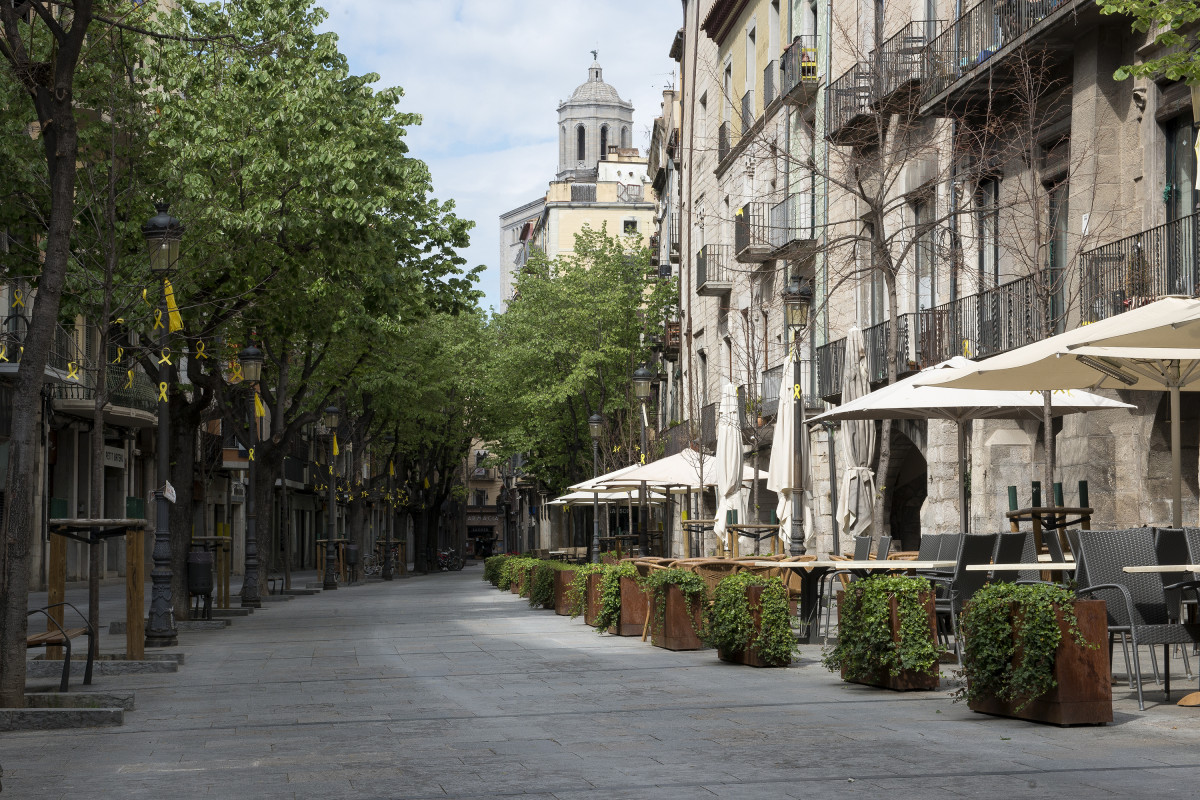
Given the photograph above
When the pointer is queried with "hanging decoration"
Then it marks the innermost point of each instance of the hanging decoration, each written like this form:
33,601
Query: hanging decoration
175,321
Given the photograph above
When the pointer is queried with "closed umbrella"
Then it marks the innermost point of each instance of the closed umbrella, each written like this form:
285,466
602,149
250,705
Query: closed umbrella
910,399
856,499
783,478
728,460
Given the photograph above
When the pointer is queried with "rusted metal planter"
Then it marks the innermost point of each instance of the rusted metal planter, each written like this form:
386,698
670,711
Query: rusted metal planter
562,585
634,603
906,680
1083,695
679,625
750,656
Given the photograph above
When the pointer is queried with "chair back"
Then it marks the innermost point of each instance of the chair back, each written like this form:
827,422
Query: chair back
1010,549
862,548
976,548
928,549
1054,545
1171,547
1081,576
1192,537
1105,554
884,547
948,547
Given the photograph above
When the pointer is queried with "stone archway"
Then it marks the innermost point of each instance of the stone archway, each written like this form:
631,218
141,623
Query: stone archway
905,486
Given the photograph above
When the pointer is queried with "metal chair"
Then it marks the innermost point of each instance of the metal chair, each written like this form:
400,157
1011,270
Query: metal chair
884,547
1137,603
862,551
961,585
1011,548
928,548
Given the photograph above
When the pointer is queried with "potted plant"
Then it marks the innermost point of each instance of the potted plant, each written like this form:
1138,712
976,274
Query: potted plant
622,601
677,600
562,587
541,583
578,594
1034,652
887,634
492,567
749,621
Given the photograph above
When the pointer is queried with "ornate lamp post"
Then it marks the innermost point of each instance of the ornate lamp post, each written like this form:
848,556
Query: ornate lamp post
797,302
330,581
642,378
252,363
388,564
162,234
595,428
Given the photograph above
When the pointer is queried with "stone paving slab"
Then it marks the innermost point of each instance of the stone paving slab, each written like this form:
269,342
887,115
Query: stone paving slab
441,687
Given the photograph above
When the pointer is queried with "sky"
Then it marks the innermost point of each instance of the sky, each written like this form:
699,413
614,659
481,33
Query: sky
487,77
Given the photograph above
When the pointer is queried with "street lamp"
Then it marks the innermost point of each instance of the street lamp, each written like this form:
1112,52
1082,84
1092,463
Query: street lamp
388,564
641,388
252,362
330,581
595,427
162,234
797,302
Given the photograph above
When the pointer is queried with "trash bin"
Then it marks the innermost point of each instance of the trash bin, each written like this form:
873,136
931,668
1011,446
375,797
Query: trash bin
200,581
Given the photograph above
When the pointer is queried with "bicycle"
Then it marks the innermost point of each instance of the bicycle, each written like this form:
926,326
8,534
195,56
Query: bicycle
372,565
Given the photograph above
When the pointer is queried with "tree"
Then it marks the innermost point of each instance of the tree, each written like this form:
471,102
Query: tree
1173,22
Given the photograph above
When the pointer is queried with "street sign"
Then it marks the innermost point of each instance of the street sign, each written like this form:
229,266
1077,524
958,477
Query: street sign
114,457
169,491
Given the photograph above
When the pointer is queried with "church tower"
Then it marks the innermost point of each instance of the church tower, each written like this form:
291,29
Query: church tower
594,119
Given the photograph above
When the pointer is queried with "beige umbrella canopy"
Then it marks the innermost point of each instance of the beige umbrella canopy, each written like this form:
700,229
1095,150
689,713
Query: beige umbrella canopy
909,399
686,471
856,500
782,474
729,461
1151,348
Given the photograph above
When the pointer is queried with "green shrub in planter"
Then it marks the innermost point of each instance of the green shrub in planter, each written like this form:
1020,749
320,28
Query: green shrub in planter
541,585
695,596
577,594
513,569
1012,634
886,635
739,626
610,593
492,567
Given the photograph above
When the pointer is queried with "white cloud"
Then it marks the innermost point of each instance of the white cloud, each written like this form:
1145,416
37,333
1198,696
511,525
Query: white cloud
487,76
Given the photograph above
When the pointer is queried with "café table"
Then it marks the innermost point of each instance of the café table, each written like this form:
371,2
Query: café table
1162,568
755,531
1040,566
816,570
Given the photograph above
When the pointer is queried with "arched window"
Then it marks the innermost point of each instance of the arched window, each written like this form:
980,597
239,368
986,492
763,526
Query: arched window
603,142
580,144
625,137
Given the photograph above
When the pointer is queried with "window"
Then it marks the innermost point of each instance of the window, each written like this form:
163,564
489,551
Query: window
751,55
874,290
1057,254
630,226
480,457
923,260
603,142
580,144
702,116
987,221
480,497
703,364
1180,190
625,137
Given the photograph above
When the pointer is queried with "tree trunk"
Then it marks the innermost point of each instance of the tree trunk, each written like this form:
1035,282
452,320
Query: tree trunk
879,523
182,458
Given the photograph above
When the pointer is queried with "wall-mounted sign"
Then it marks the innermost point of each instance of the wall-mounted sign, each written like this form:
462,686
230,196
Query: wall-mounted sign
114,457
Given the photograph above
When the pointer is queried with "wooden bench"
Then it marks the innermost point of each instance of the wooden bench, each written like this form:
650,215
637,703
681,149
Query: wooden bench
61,637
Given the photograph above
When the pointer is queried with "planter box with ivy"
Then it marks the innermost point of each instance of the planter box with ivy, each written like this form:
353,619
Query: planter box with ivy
562,587
493,567
749,622
1035,652
677,601
887,634
577,591
542,581
622,601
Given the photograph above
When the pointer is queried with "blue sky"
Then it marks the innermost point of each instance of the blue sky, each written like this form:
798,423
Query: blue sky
487,76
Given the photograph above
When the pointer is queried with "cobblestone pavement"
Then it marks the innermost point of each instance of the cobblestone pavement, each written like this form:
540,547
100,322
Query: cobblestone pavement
440,686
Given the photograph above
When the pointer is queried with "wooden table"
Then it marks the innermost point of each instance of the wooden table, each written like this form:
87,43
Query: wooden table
809,599
739,527
1163,568
695,526
1040,566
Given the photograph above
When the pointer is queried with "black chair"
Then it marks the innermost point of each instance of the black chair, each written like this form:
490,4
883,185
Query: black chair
862,551
928,549
1137,603
883,548
961,585
1011,548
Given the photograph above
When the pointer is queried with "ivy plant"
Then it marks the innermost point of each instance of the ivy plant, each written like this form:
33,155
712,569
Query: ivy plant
866,647
690,585
1011,635
730,621
577,591
541,589
492,567
610,593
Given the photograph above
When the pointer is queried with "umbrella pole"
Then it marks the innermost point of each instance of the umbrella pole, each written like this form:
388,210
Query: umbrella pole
1176,470
963,515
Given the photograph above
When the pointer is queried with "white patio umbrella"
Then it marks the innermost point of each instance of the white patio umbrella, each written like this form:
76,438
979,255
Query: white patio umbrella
782,476
909,399
683,472
1151,348
856,500
729,460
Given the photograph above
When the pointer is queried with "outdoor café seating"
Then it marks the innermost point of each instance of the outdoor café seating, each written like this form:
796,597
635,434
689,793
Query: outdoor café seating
961,584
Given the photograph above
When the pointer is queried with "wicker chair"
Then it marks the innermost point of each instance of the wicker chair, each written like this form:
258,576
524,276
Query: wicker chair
1137,604
961,585
1012,548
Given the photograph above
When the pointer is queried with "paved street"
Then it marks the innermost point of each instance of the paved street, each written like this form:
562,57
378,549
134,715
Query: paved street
441,686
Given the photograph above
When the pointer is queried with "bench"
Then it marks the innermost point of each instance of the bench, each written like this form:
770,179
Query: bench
61,637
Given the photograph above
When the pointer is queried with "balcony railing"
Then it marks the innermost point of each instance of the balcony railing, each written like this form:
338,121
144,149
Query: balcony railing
985,324
751,236
712,270
138,394
723,142
799,68
675,439
830,357
676,237
747,111
1139,269
769,83
673,339
975,37
791,226
773,379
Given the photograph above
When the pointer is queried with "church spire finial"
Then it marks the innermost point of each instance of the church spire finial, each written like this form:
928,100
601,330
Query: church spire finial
595,55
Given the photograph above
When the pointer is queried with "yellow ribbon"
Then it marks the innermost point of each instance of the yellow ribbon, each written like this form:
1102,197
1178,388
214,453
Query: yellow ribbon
162,392
158,323
392,468
235,371
331,469
120,355
72,371
643,458
17,299
200,354
251,452
336,451
427,483
3,352
166,357
796,392
259,411
966,348
129,383
175,321
146,300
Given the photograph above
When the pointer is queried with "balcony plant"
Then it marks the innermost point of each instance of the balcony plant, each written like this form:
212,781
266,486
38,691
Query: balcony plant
887,634
1033,652
677,600
749,621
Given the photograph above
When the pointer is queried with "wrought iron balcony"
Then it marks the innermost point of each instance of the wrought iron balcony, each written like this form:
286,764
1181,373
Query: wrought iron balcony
982,38
800,72
676,438
673,339
676,237
985,324
713,275
831,356
1139,269
791,233
748,115
773,380
723,142
751,235
138,394
769,83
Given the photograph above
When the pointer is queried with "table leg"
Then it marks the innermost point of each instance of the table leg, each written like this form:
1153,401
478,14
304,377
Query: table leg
809,604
